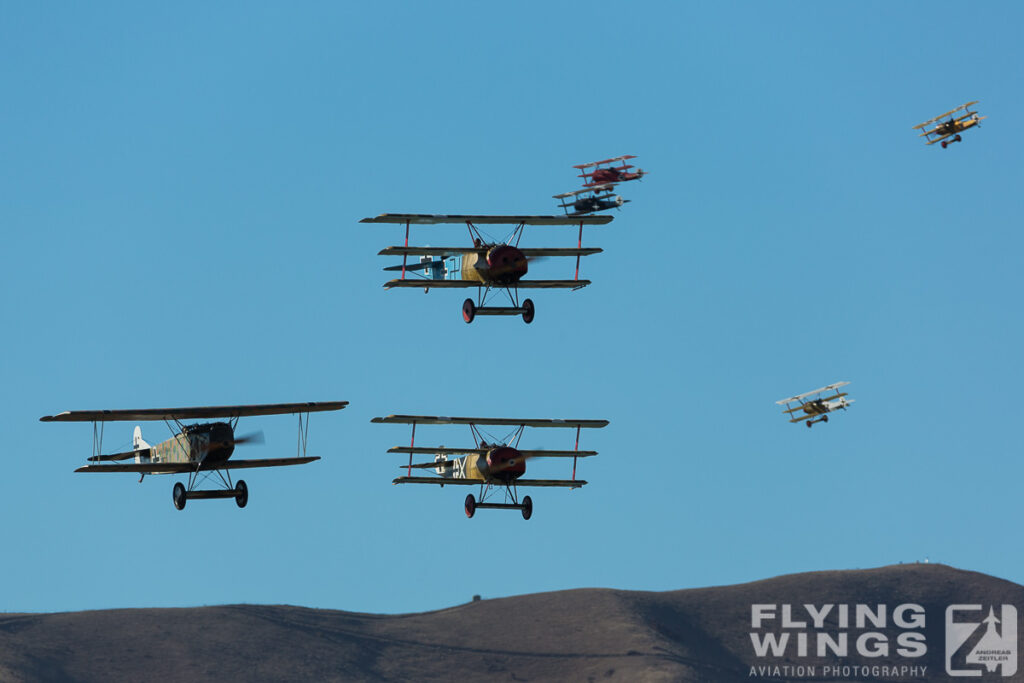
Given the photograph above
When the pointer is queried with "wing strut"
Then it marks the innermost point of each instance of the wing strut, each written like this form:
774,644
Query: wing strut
406,255
412,444
577,447
579,243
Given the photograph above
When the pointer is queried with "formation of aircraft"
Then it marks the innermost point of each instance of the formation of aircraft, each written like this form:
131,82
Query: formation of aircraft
196,450
493,464
947,132
487,264
598,193
814,406
496,465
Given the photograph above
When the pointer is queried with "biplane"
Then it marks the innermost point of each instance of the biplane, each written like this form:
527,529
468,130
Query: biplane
814,406
590,200
493,464
489,265
196,450
603,174
947,132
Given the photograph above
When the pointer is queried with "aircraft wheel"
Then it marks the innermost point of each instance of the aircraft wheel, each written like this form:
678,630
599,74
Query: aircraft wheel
470,506
528,310
824,418
527,507
809,424
241,493
958,138
944,143
179,495
468,310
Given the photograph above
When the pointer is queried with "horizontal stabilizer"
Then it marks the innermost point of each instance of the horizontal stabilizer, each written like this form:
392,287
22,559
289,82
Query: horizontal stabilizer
144,453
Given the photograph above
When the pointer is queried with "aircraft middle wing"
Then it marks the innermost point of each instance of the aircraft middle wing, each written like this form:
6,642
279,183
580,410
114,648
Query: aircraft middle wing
433,219
185,467
453,251
502,421
429,251
457,284
192,413
425,450
445,481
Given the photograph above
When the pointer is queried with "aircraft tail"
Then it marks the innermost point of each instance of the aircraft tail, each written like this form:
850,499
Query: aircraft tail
138,443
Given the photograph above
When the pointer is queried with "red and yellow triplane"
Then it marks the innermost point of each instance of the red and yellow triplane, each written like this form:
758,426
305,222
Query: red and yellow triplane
493,464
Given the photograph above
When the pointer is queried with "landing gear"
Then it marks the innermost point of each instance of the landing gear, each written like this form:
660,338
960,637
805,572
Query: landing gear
528,310
468,312
241,493
527,503
944,143
824,418
958,138
470,506
809,424
179,495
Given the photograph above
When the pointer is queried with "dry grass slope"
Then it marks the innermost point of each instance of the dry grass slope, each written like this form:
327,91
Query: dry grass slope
579,635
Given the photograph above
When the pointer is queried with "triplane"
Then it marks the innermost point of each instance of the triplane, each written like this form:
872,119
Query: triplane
493,464
604,173
952,127
590,200
816,409
487,264
198,450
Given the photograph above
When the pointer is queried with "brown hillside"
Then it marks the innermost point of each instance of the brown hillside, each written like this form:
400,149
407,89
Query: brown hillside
579,635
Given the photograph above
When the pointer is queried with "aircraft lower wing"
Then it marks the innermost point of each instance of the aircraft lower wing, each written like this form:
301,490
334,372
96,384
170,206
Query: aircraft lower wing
563,483
805,417
940,138
463,284
186,467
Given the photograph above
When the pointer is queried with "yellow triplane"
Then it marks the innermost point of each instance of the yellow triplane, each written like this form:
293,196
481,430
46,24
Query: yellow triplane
947,132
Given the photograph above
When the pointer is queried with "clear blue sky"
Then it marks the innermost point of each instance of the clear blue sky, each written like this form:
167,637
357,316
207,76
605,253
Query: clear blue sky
180,190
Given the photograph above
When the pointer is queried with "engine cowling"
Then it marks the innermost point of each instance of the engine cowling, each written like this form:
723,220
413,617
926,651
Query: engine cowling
505,463
506,264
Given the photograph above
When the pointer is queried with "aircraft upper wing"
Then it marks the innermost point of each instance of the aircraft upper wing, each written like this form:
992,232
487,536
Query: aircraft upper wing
456,284
425,450
433,219
452,251
444,481
510,422
185,467
811,393
191,413
606,161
